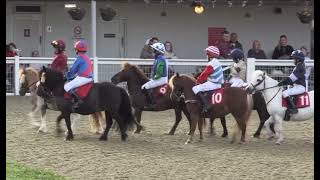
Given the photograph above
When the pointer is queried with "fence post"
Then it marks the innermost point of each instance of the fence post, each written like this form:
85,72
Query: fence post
250,68
16,75
95,69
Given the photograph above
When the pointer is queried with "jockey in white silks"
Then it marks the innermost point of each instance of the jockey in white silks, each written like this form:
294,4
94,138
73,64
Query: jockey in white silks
211,78
159,75
297,80
81,72
237,75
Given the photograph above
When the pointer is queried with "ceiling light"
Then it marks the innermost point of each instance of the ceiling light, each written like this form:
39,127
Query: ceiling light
70,5
198,7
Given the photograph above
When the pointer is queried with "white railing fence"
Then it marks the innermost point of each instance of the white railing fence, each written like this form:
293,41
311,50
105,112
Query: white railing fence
105,68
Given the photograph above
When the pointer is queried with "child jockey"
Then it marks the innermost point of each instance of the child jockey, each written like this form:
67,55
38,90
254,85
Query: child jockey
80,73
59,62
237,76
159,74
297,79
211,78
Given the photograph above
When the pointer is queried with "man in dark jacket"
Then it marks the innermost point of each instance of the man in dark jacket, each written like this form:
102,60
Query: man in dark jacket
234,43
283,50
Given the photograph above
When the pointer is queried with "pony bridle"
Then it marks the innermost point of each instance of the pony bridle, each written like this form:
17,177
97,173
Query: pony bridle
264,86
28,86
260,81
178,96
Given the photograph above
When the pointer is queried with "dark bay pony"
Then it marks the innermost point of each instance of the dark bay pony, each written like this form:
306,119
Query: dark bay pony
259,104
234,100
135,78
28,79
103,96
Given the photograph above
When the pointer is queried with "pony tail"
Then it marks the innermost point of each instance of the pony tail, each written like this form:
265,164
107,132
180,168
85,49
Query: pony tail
126,110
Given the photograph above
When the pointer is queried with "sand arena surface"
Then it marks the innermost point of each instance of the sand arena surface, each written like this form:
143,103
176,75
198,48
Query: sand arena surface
153,155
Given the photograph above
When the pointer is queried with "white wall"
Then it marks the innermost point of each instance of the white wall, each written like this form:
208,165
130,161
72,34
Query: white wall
187,31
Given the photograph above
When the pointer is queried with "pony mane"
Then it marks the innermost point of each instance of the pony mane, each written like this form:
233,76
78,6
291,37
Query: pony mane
136,69
171,81
28,70
183,76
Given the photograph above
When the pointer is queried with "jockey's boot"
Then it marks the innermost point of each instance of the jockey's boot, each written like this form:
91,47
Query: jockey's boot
77,102
291,109
204,101
151,104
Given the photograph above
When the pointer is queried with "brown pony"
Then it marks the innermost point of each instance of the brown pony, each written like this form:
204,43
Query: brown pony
234,100
135,78
28,79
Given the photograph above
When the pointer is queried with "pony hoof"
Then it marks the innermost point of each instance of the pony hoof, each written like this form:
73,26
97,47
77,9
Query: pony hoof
69,138
278,142
103,138
124,137
42,130
256,136
188,142
137,131
242,142
189,133
169,133
224,135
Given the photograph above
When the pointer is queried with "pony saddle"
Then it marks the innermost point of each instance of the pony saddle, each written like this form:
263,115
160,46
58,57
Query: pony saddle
160,90
214,96
300,100
81,91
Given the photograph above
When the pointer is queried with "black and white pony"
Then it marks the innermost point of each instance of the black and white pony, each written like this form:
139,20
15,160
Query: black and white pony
273,96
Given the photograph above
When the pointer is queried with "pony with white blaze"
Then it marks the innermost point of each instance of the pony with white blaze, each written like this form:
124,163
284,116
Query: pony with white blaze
273,96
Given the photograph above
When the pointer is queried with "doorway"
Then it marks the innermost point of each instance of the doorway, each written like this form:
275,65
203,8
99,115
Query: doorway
27,34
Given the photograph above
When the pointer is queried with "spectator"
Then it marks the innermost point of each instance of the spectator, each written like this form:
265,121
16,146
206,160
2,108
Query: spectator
283,50
234,42
305,51
147,52
224,45
169,54
11,50
256,51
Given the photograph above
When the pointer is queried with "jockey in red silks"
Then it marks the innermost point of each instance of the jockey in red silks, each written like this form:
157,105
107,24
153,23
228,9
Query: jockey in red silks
81,72
59,62
211,78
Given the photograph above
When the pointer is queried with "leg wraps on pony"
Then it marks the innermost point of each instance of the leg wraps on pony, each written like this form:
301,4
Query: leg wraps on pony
77,82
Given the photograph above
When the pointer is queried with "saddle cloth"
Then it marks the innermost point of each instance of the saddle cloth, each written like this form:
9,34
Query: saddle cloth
82,91
215,96
300,100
